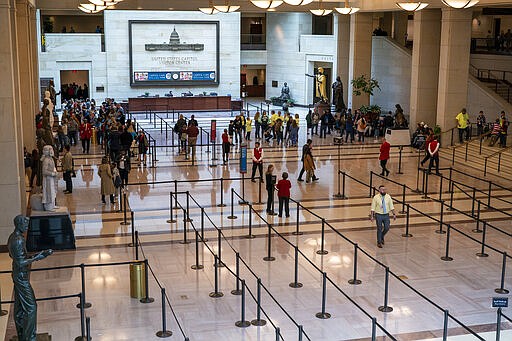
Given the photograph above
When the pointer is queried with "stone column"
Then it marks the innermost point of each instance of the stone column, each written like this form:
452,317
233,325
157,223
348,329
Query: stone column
343,52
400,20
425,67
26,72
453,65
360,60
12,181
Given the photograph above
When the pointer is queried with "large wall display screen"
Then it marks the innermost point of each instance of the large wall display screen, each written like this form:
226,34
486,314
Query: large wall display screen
173,52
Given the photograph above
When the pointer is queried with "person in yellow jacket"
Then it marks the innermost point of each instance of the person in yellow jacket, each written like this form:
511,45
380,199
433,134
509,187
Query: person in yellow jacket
248,128
463,124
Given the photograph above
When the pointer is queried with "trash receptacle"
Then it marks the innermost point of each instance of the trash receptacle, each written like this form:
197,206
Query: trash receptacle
137,280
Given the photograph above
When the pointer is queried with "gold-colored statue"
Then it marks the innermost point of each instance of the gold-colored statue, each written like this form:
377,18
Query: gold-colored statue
321,85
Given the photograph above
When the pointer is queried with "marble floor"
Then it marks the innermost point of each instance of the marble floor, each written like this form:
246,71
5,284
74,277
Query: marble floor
421,286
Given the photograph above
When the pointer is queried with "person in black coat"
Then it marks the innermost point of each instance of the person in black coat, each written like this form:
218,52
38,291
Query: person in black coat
269,185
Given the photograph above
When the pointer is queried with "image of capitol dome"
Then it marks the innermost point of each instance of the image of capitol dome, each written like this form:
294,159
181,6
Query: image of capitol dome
174,44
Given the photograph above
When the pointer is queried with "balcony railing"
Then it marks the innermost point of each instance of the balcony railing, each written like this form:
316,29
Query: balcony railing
66,42
489,46
253,42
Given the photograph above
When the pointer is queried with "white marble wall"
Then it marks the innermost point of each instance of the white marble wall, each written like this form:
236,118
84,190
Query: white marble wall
391,66
118,69
285,62
480,97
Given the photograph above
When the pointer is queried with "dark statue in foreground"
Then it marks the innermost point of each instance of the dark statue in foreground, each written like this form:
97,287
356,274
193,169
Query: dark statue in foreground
25,306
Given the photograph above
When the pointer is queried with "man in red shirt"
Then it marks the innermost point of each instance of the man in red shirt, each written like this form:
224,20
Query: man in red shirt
192,133
433,151
384,156
226,143
283,193
257,161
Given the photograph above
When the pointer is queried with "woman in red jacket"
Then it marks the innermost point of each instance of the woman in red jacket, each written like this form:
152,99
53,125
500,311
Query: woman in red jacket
85,135
283,193
384,156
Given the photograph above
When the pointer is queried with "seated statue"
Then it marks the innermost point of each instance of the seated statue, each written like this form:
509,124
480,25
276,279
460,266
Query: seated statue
285,92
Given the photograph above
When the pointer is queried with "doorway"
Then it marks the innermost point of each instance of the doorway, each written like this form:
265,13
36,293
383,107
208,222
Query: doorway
74,84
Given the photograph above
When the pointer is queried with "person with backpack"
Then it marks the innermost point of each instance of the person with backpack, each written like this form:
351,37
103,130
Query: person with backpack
143,145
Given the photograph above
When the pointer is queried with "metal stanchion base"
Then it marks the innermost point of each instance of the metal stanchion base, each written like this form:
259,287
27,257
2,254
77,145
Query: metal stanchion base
296,285
447,259
188,220
322,252
339,196
242,324
269,259
219,265
501,291
402,212
243,202
216,294
354,281
147,300
258,323
197,267
476,231
295,233
213,165
164,333
399,172
440,231
232,217
250,236
3,312
406,235
80,338
323,316
387,309
125,223
221,205
185,242
236,292
87,305
170,221
482,254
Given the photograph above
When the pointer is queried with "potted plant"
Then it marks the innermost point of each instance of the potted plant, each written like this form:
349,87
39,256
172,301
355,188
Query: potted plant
363,84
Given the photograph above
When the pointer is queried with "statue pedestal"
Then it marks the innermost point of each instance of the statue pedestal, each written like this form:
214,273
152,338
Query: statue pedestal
50,230
320,107
39,337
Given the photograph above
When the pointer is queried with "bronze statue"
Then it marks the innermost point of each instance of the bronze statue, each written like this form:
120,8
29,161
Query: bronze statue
285,93
25,306
320,85
337,95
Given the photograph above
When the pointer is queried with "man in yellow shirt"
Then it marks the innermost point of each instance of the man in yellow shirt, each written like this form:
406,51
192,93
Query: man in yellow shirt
382,204
463,124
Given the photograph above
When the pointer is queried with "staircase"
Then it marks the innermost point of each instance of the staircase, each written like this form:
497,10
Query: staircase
498,81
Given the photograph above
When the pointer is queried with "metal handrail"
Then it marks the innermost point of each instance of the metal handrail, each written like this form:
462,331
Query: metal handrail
467,143
499,153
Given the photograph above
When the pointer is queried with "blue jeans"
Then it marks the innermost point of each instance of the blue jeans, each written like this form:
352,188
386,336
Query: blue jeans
382,226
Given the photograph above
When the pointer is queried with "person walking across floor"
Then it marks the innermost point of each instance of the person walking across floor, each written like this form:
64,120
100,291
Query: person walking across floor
463,124
67,169
226,145
306,150
384,156
257,161
382,205
433,151
283,193
269,181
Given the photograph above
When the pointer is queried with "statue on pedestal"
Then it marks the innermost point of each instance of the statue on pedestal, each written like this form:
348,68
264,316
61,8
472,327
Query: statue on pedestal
25,306
285,93
320,85
49,177
337,95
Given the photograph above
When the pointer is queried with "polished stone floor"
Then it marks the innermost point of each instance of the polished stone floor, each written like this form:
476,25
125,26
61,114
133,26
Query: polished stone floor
421,285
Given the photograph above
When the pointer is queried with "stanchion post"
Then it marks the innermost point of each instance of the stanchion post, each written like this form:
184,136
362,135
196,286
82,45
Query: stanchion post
220,264
355,281
278,334
124,222
386,308
482,251
301,332
269,257
176,206
171,218
82,318
297,222
237,291
185,226
371,184
441,188
374,328
146,298
197,266
136,245
216,293
425,191
343,196
498,324
400,160
188,207
489,195
132,220
441,218
243,201
88,336
164,332
296,283
86,305
232,216
407,234
473,202
403,199
477,230
501,289
243,323
221,193
446,257
260,184
445,323
323,315
451,187
202,226
322,250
